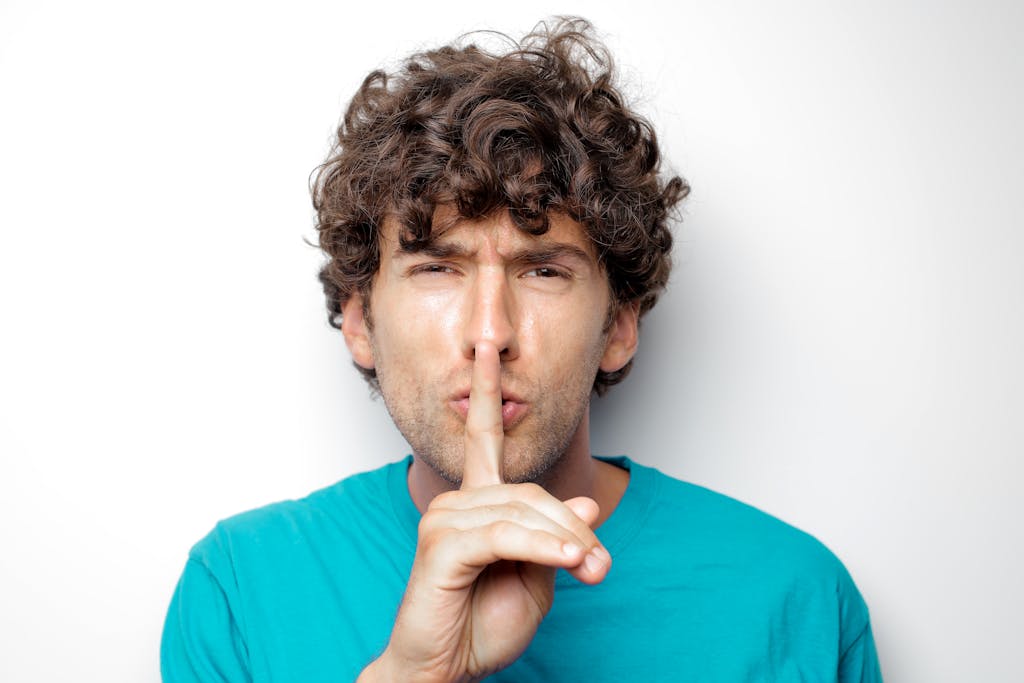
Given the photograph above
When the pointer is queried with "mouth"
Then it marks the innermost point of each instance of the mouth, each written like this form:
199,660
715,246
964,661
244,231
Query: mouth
513,408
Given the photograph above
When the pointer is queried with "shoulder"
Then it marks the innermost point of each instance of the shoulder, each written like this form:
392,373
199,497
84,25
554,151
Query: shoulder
744,579
703,528
334,512
729,526
275,579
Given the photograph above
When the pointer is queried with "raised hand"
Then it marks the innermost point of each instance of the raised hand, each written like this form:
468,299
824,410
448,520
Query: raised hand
483,577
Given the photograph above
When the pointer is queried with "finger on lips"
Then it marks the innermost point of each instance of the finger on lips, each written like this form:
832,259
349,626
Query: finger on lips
484,431
508,522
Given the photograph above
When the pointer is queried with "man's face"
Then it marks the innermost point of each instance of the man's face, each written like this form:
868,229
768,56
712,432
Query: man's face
543,301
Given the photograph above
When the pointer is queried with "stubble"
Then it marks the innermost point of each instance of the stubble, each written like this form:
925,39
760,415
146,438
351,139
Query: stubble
532,448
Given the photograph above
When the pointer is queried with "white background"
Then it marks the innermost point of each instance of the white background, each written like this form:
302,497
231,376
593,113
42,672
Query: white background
841,345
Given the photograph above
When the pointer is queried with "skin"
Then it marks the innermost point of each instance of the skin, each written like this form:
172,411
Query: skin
509,492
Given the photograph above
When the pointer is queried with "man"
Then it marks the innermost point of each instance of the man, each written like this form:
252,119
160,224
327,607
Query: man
495,227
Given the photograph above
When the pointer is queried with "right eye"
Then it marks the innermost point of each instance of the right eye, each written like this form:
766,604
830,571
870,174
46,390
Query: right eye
433,269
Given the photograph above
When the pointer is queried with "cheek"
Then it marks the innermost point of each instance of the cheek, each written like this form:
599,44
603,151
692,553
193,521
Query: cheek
410,332
445,319
569,339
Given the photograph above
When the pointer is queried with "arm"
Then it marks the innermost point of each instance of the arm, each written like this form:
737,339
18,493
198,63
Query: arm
859,664
194,647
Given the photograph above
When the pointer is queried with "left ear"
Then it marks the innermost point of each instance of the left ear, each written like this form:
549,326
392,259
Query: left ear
622,338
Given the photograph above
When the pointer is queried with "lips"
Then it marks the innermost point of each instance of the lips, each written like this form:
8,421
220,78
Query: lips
513,408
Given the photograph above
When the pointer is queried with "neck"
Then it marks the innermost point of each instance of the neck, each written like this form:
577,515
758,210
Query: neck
575,474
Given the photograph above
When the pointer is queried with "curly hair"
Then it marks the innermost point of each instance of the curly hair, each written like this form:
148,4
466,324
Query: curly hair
538,128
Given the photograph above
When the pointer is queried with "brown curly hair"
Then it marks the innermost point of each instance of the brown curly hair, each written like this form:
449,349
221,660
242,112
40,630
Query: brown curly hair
540,127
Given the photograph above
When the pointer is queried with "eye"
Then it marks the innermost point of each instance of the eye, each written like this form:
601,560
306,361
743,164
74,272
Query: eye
545,272
432,269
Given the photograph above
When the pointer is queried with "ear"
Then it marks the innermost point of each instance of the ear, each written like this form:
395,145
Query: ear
622,338
356,331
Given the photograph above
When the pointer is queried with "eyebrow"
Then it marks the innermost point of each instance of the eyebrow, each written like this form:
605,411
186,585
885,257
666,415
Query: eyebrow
531,254
433,249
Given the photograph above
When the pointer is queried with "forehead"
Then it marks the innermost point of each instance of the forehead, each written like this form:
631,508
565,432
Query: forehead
497,230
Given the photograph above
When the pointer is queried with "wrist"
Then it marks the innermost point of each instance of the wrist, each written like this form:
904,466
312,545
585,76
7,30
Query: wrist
379,670
385,669
370,674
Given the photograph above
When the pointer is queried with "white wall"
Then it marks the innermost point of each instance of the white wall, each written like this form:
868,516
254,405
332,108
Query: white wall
841,344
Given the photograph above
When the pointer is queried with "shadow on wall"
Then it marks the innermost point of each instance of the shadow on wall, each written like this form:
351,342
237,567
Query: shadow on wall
646,412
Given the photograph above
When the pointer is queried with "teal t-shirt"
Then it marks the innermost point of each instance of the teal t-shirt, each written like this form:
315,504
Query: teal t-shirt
702,588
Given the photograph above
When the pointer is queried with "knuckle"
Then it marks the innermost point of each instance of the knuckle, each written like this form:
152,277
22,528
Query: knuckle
443,500
532,491
435,539
500,529
430,525
515,510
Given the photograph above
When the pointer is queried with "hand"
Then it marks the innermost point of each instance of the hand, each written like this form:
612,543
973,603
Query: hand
483,577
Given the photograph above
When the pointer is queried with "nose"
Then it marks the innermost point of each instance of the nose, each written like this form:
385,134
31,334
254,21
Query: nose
491,315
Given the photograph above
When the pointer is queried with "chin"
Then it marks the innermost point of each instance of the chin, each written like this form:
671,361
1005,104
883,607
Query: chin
516,467
521,468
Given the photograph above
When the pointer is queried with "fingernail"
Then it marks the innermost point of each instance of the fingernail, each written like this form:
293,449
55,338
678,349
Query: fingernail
571,549
602,555
594,563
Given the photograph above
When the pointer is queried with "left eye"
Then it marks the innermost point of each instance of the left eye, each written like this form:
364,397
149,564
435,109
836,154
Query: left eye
544,271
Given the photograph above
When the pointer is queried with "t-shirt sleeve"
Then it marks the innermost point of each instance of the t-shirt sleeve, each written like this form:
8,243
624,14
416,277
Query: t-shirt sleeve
859,663
201,639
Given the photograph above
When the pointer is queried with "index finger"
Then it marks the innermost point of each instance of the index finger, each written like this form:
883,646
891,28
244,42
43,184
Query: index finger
485,433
